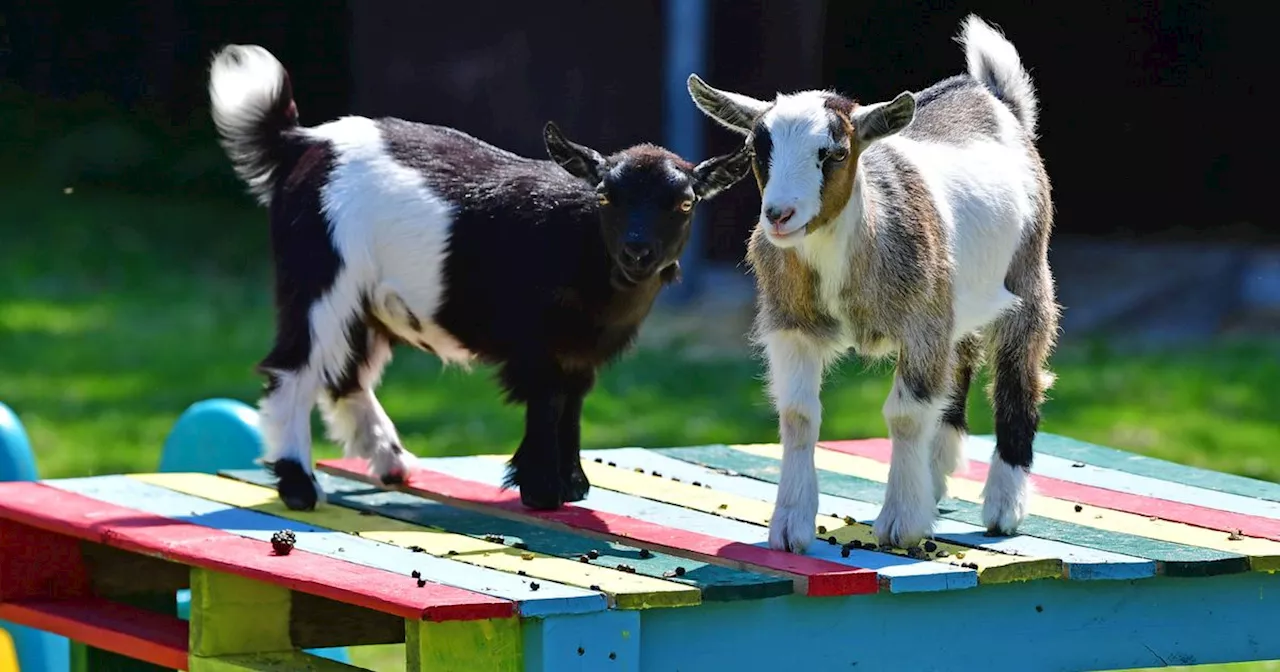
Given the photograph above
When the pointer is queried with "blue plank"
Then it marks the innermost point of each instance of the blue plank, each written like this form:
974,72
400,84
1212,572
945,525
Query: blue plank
550,599
605,641
1081,563
899,573
1040,625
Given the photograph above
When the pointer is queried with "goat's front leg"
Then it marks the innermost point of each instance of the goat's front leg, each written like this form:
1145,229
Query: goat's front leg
573,480
535,467
796,363
913,412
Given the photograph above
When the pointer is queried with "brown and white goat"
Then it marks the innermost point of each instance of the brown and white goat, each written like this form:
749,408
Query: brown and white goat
917,227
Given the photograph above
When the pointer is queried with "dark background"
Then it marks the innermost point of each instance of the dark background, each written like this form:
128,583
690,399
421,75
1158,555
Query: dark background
1150,121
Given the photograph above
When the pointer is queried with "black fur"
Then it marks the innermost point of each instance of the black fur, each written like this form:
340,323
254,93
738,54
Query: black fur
536,275
1017,416
545,278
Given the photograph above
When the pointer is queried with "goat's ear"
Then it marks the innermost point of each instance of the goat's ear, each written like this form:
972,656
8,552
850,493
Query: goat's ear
579,160
882,120
717,174
734,111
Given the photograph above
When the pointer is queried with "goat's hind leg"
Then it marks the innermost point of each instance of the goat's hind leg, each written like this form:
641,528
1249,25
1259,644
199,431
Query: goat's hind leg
1020,342
285,418
913,412
353,414
948,443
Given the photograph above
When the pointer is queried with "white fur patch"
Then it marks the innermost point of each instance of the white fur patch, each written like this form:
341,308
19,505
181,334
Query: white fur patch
799,126
796,366
947,458
909,508
392,231
245,81
1005,496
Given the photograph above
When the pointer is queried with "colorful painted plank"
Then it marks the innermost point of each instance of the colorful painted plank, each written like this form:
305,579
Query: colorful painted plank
1171,559
1109,489
1263,554
1260,514
65,513
716,583
626,591
110,626
1164,470
811,576
550,598
991,567
1079,563
896,573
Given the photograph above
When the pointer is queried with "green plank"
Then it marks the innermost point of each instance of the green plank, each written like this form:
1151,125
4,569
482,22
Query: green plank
718,584
1141,465
1172,559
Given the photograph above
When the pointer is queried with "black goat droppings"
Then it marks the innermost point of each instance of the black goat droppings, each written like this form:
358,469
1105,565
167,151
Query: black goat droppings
282,542
534,585
422,582
645,554
416,574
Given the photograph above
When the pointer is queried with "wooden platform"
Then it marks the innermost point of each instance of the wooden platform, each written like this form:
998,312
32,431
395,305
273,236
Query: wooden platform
1124,562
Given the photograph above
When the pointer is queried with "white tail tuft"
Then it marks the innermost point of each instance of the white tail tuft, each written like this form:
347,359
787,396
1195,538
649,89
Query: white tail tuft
251,104
993,61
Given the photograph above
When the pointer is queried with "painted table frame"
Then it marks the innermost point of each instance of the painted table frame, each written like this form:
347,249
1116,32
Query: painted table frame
1143,594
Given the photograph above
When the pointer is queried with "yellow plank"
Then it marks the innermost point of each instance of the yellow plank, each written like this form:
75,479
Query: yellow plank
625,590
232,614
992,567
1263,554
464,646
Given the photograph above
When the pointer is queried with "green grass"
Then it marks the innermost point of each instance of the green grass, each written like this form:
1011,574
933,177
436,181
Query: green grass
118,311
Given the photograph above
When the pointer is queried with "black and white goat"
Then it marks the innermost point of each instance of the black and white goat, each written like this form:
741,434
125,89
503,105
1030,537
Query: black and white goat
386,231
917,227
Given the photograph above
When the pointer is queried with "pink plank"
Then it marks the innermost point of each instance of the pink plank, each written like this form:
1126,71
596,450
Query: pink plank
813,576
1213,519
81,517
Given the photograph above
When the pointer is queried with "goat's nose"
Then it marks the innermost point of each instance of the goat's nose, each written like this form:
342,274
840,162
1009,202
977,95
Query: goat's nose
636,253
779,216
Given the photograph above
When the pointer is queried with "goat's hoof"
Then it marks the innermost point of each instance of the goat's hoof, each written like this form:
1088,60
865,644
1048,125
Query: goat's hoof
540,501
576,486
297,489
393,478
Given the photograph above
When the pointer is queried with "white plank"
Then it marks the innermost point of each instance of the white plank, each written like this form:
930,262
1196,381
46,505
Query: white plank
1086,559
979,450
550,598
902,574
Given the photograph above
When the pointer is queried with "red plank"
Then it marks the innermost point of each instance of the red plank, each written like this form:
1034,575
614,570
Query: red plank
815,577
140,532
102,624
39,563
1213,519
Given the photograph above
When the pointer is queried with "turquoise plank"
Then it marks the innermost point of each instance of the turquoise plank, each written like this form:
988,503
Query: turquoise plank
716,583
1172,559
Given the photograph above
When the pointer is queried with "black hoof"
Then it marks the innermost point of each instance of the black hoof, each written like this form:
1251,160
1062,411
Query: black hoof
393,478
540,501
296,488
577,486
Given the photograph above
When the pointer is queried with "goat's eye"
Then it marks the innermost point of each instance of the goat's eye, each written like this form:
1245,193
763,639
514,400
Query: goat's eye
838,154
686,205
603,199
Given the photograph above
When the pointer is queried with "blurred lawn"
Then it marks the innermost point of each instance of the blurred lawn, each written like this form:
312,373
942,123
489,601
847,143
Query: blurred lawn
117,311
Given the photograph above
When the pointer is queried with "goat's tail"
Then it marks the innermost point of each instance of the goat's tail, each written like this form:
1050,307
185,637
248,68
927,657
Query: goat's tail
993,61
252,106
